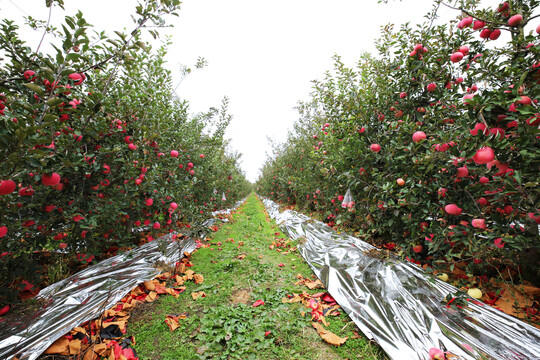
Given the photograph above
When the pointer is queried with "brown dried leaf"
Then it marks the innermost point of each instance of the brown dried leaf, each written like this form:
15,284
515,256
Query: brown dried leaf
198,278
149,285
196,295
75,346
59,347
329,336
151,297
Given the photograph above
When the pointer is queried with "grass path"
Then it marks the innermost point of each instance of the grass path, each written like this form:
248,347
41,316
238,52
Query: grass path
241,265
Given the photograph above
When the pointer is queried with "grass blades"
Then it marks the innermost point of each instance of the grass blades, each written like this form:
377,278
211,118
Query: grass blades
247,259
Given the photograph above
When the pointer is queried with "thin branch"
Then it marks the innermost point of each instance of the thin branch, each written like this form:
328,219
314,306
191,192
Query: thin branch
44,33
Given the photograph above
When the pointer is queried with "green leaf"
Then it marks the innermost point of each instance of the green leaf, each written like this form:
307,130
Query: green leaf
35,88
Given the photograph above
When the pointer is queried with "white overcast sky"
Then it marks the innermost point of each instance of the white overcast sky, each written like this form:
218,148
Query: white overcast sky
261,54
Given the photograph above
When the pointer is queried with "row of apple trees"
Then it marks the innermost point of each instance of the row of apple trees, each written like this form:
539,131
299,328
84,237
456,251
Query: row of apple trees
437,138
94,147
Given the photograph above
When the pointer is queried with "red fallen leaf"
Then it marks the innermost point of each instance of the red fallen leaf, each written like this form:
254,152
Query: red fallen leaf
328,298
266,333
258,303
317,295
281,265
4,310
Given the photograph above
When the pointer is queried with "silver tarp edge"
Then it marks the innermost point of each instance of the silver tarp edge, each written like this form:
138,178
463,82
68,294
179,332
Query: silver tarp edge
399,305
88,293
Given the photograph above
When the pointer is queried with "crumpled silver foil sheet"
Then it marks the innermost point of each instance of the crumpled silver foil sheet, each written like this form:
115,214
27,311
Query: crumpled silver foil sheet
399,305
86,294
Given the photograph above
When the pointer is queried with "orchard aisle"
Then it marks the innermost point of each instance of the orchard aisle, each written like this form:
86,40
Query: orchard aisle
238,311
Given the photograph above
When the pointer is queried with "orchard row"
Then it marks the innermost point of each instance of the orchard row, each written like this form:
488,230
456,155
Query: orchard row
436,138
96,151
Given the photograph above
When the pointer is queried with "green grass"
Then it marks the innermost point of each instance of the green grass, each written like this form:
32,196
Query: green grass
224,324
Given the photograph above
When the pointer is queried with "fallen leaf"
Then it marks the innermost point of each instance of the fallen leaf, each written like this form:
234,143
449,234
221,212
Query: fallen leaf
160,289
258,303
196,295
152,296
149,285
329,336
59,347
198,278
314,284
172,321
74,347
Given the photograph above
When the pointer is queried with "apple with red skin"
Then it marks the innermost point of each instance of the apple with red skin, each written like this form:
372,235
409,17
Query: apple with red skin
515,20
7,187
418,248
479,223
494,35
400,182
375,148
3,231
132,147
52,180
456,57
174,153
484,155
453,209
431,87
419,136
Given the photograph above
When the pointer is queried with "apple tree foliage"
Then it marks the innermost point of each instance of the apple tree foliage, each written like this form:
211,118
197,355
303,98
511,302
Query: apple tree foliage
481,152
98,146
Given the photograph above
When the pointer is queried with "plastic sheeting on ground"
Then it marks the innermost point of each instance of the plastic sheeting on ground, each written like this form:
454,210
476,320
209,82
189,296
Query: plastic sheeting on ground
399,305
86,294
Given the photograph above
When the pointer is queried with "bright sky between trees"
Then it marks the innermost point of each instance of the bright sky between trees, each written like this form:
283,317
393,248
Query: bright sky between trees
262,55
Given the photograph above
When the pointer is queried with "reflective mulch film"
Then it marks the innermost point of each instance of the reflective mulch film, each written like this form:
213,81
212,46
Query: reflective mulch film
86,294
400,306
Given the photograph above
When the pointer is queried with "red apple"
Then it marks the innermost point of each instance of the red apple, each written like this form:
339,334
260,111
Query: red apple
484,34
149,202
174,205
431,87
482,201
400,182
483,180
7,187
538,29
479,223
156,225
464,49
453,209
418,136
456,57
4,310
503,7
62,245
174,153
495,34
403,95
52,180
484,155
515,20
418,248
375,148
132,147
3,231
478,24
462,172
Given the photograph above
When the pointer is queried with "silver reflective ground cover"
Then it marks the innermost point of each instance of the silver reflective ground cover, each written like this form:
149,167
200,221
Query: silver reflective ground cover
88,293
399,305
